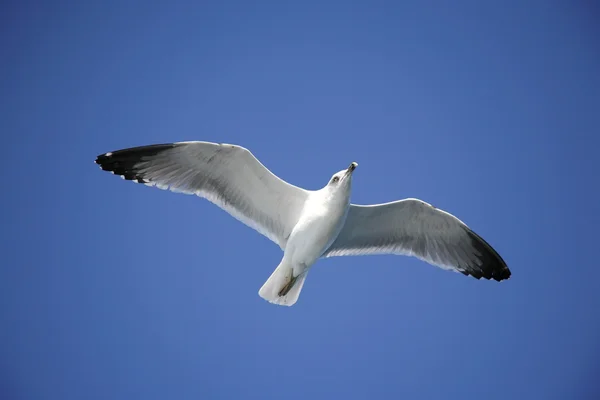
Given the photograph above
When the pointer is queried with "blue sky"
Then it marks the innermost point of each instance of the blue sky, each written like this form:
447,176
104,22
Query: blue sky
110,290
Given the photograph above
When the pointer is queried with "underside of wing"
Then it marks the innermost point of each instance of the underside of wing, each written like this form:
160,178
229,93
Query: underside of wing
415,228
227,175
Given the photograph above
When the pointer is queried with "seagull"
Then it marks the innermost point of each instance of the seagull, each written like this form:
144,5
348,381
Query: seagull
306,224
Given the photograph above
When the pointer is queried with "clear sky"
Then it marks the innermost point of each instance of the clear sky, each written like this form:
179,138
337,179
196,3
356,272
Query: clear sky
111,290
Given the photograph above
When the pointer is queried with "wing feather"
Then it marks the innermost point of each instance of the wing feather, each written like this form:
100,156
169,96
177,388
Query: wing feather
226,175
415,228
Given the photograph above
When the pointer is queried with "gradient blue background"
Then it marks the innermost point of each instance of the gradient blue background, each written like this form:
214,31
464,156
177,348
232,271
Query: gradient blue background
110,290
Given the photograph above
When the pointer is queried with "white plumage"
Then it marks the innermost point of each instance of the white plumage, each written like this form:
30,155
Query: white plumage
307,225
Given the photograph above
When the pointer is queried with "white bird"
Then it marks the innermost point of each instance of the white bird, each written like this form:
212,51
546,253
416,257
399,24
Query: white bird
306,224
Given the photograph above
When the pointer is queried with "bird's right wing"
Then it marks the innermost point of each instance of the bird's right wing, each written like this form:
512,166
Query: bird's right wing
227,175
415,228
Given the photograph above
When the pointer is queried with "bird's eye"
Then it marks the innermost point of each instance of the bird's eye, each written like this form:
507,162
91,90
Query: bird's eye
335,179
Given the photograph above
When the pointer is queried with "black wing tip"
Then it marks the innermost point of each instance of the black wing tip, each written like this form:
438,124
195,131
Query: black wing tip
123,162
137,152
493,266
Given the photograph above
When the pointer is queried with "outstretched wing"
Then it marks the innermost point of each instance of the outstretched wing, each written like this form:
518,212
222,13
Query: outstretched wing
227,175
415,228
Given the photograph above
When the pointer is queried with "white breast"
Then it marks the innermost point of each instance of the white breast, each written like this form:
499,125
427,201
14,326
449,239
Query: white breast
321,221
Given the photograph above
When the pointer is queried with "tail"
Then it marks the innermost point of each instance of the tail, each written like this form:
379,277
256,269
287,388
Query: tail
282,287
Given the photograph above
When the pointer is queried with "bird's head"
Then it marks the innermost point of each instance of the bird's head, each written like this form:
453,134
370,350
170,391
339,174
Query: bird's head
342,181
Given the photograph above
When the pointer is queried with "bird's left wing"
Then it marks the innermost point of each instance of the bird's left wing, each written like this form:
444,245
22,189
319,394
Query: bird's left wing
415,228
227,175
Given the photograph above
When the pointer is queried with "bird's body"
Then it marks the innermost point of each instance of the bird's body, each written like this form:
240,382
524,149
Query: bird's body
320,222
307,225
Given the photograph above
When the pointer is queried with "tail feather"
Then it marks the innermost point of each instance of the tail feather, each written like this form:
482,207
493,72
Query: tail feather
279,278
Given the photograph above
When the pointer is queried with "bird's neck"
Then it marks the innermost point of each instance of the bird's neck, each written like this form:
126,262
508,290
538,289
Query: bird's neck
335,198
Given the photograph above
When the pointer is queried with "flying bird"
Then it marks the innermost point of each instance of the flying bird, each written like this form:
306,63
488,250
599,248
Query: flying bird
306,224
